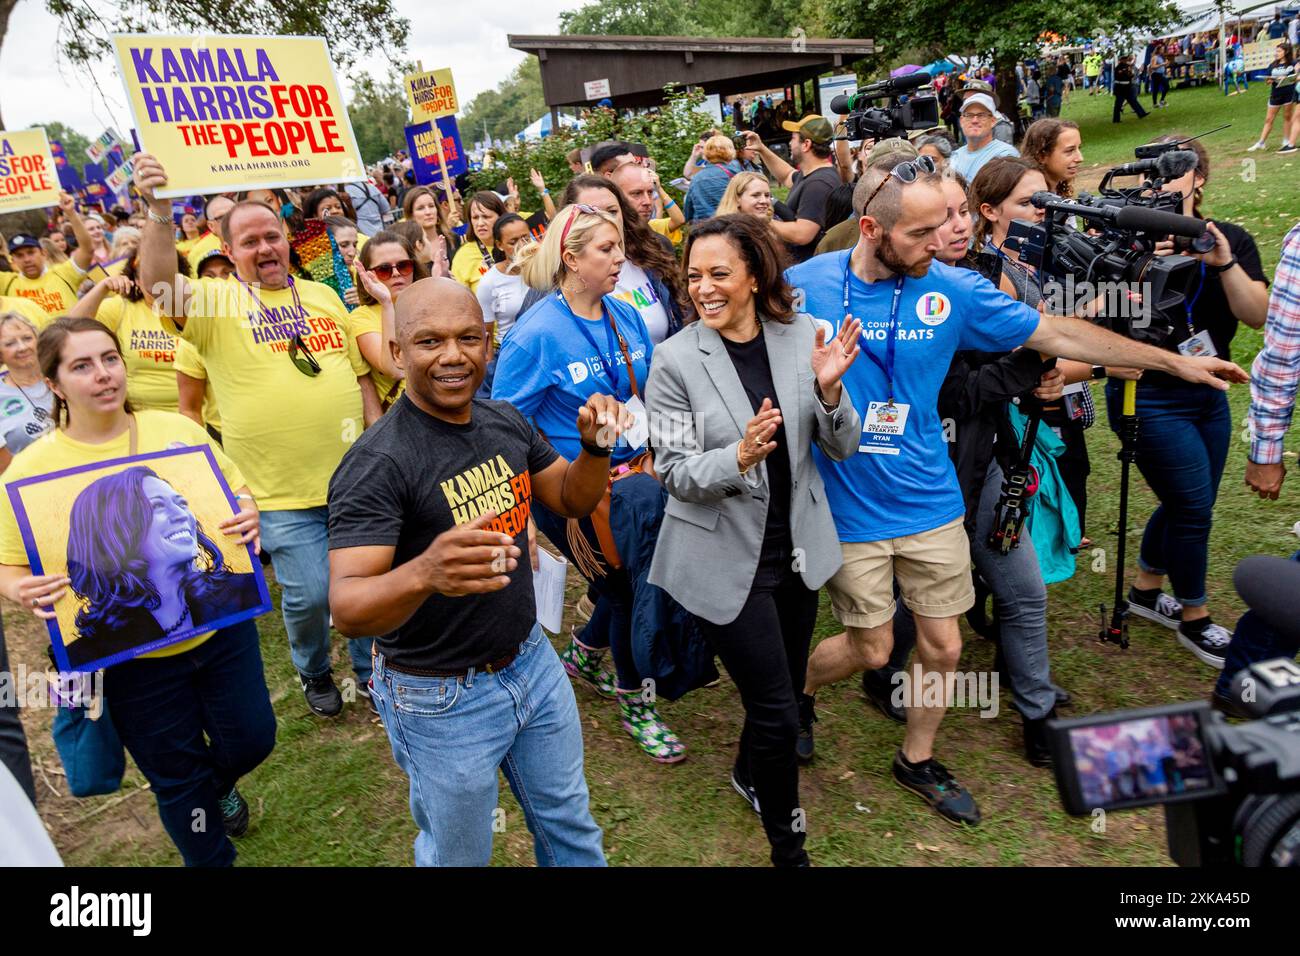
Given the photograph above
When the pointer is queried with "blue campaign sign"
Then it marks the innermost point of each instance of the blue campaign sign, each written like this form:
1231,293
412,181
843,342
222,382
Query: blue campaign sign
424,150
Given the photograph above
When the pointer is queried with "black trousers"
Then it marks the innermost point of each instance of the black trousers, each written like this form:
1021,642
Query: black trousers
1126,94
765,650
13,742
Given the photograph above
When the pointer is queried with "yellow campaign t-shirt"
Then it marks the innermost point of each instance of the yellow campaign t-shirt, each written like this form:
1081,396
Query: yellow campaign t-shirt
366,319
202,246
149,351
467,267
287,430
55,290
27,308
665,228
55,451
189,362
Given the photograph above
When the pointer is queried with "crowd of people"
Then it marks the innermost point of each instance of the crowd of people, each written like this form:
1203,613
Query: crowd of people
713,409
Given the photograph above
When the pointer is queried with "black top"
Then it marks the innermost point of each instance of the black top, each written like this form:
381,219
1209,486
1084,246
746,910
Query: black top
411,477
1210,310
755,371
808,196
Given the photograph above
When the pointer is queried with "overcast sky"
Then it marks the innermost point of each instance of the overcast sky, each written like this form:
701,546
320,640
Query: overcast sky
470,38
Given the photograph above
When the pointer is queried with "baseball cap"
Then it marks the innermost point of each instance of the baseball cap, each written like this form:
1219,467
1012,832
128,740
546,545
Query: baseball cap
812,127
208,257
890,152
23,241
976,85
979,99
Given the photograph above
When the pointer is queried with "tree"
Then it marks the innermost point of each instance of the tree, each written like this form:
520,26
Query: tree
1004,32
718,18
353,28
502,112
74,144
379,111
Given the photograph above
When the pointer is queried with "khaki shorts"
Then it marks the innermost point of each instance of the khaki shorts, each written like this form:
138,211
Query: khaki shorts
932,569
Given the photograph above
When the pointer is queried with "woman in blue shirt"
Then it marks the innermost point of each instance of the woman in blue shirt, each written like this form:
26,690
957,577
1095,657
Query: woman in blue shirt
578,341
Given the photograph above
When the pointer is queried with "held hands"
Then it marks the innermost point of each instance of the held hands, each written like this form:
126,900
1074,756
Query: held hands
1209,371
757,443
470,559
149,176
602,420
830,360
39,593
378,291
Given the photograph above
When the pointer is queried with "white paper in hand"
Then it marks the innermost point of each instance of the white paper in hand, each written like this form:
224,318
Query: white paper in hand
548,589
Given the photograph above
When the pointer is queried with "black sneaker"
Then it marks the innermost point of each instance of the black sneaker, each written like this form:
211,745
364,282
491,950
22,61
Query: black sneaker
1038,750
803,747
1156,605
1209,642
745,790
1229,706
234,813
881,695
322,696
932,782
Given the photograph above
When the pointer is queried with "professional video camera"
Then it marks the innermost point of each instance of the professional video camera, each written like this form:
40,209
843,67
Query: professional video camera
1231,793
919,111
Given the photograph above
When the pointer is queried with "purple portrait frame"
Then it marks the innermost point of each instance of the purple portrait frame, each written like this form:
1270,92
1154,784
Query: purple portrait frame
34,558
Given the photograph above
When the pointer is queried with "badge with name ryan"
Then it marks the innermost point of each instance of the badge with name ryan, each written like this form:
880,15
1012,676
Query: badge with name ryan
1199,345
883,427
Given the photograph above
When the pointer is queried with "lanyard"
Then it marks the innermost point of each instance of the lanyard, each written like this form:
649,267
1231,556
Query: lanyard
610,331
1192,304
888,366
293,287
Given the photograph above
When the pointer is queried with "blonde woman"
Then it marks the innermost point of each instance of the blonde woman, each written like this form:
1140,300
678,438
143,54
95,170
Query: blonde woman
576,342
748,193
709,184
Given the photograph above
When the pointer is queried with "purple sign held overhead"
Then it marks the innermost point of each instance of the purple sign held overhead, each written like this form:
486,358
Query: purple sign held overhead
423,143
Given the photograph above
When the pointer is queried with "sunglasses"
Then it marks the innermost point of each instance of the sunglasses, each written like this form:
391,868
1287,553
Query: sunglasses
905,173
302,358
384,271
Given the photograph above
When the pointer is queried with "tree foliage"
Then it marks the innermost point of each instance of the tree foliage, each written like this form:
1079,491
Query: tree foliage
379,112
74,144
502,112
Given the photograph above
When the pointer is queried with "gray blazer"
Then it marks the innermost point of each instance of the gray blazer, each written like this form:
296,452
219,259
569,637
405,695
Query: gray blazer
712,532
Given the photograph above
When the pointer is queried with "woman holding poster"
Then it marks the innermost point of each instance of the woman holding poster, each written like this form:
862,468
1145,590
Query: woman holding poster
194,715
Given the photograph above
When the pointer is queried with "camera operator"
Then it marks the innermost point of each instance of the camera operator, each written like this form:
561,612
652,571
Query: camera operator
1182,441
811,181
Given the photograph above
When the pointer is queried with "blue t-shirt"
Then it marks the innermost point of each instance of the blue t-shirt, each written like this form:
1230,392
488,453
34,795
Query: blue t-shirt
969,163
548,368
878,496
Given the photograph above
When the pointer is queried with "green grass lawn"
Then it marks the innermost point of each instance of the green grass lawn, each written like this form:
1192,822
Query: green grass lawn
330,793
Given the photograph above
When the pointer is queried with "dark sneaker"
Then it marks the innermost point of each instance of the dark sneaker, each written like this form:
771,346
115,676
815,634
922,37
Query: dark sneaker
1038,750
1229,706
1156,606
322,696
1063,697
1209,643
881,694
745,790
803,747
234,813
932,782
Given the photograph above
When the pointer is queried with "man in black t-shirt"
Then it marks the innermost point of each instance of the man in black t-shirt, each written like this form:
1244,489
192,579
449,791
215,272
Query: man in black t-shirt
811,181
428,516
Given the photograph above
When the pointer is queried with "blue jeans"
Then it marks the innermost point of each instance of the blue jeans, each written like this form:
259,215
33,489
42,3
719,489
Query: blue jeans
1252,641
1183,435
194,724
1021,601
298,542
451,734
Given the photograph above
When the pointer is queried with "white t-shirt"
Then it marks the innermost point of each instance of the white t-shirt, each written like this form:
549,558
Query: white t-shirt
634,287
23,840
500,296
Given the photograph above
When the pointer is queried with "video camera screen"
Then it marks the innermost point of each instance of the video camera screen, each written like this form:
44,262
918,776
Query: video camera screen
1159,755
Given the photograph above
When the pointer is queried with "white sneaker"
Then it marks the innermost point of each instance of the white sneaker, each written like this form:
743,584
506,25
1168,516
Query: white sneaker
1257,146
1209,646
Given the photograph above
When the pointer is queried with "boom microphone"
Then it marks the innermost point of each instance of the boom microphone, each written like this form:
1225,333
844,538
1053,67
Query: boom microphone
1271,588
1134,218
1168,165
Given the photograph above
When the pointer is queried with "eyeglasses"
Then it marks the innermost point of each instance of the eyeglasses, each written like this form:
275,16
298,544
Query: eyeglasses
981,116
302,358
384,271
905,173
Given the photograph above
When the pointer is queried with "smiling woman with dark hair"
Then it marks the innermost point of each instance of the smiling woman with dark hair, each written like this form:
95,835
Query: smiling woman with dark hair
143,566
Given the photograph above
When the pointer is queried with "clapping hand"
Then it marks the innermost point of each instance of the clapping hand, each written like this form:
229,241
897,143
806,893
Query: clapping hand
378,291
830,360
757,443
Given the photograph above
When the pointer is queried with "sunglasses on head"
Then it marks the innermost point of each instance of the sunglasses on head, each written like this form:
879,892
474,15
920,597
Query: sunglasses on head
905,173
384,271
580,207
302,358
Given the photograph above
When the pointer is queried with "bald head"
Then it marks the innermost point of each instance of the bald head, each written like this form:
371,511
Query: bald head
431,297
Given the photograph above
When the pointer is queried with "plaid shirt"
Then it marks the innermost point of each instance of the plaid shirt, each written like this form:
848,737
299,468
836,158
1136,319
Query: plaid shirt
1275,373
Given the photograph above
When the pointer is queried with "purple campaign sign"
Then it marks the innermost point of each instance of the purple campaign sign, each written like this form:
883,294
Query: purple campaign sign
115,577
424,150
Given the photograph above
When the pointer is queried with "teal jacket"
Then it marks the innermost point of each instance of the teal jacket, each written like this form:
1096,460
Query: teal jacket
1053,520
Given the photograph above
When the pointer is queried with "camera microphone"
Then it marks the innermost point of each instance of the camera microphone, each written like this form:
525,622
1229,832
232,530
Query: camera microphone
1168,165
1140,219
848,103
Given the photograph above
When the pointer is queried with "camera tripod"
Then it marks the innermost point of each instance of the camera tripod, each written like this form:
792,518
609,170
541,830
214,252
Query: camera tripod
1115,631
